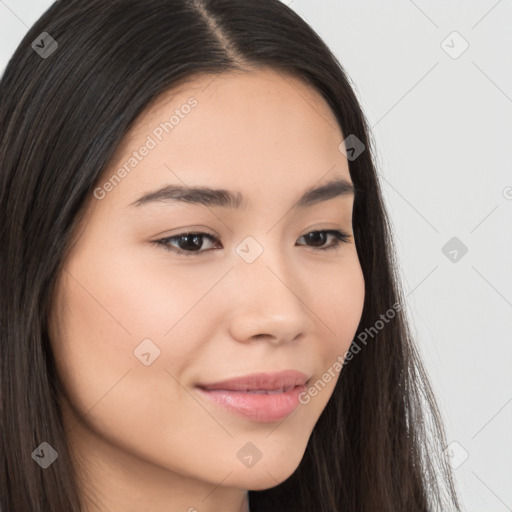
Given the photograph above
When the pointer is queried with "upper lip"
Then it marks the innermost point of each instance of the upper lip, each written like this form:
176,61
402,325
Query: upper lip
286,380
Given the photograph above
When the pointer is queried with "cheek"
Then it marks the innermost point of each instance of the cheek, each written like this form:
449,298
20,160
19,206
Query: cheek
102,313
90,346
94,330
339,300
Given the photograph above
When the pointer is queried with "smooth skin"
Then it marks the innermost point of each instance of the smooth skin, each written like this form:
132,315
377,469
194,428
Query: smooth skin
142,437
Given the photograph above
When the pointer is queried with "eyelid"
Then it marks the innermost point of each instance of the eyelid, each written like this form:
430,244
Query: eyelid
341,237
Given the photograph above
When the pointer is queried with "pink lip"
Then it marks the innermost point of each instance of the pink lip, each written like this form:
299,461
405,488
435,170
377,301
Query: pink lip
235,394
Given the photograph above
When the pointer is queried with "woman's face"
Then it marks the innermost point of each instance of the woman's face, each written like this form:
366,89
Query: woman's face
136,327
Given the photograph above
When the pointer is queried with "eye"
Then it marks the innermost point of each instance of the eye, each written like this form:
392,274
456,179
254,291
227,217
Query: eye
190,244
318,237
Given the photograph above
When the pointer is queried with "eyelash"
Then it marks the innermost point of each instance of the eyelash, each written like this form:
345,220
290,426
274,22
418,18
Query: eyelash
340,238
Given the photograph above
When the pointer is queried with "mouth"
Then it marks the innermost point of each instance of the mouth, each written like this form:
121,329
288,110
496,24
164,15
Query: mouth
262,397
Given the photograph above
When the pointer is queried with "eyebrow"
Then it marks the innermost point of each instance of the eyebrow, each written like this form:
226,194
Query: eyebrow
207,196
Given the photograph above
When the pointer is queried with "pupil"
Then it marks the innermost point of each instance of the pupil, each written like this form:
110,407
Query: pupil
316,236
186,246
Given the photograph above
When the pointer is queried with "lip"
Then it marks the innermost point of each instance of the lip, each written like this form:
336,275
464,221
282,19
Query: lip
263,397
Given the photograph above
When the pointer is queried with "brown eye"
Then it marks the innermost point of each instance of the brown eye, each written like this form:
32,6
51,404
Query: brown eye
187,243
190,244
318,238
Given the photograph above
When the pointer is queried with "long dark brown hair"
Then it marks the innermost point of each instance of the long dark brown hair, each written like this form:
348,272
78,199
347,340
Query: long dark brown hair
378,444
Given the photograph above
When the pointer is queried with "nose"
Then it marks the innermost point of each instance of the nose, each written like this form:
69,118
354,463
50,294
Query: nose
269,301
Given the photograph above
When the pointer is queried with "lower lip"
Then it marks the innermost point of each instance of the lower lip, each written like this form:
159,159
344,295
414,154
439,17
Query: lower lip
257,406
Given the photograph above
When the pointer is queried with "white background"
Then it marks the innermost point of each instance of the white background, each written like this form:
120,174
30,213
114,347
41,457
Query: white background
443,129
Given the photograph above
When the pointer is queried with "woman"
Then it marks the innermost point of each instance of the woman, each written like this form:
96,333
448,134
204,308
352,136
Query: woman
200,305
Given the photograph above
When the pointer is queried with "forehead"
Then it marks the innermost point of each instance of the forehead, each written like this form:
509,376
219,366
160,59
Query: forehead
252,131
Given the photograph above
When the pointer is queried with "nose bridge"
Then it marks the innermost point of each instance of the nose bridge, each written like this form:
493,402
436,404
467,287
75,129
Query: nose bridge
268,301
263,264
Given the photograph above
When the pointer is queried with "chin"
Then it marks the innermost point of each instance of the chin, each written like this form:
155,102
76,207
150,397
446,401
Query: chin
263,476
